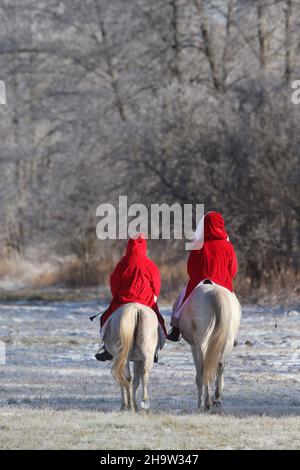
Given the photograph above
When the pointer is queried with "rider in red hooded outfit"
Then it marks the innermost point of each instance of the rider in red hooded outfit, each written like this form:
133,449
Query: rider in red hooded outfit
135,279
215,261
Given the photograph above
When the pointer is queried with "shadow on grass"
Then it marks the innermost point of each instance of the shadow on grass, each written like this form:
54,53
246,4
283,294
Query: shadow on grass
261,406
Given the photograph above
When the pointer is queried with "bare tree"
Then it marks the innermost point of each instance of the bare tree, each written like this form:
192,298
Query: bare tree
167,101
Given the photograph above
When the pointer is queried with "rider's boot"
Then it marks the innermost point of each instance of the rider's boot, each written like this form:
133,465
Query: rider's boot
174,334
103,355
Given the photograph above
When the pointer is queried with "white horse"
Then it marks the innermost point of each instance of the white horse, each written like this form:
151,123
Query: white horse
209,322
132,334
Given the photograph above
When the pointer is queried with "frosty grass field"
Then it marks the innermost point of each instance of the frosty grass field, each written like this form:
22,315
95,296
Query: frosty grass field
55,395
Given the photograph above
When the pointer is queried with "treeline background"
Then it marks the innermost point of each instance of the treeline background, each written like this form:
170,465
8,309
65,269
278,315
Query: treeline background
183,101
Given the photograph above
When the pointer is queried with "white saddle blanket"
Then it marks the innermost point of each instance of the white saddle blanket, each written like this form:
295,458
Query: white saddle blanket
180,304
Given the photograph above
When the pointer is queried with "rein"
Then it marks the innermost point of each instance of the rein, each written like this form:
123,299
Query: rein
266,309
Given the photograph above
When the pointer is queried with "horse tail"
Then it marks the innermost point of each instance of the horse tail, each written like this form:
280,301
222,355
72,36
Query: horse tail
220,306
127,329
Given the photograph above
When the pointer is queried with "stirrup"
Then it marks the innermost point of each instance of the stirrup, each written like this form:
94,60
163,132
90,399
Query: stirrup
104,355
171,335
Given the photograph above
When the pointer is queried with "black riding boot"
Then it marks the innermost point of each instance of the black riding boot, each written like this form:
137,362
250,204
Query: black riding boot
104,355
174,334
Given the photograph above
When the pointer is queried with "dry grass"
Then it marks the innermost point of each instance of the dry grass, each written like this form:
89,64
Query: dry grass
22,428
20,273
70,272
74,272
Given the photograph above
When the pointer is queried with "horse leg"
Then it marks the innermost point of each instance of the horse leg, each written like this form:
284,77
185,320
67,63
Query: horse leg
145,380
124,399
219,384
126,392
198,360
136,381
130,405
207,399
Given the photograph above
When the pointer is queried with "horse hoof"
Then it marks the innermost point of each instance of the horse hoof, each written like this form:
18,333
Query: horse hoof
217,408
207,406
217,404
128,410
145,405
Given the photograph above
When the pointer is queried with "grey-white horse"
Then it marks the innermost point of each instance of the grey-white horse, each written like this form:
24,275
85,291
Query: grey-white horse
132,334
209,322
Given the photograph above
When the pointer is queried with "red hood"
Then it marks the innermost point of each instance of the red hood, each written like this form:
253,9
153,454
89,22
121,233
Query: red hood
137,247
214,228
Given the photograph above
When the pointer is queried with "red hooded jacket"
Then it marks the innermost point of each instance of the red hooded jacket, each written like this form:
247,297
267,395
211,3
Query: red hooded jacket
135,279
216,260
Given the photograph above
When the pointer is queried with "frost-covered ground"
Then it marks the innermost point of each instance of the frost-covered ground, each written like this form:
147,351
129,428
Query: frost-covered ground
54,394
